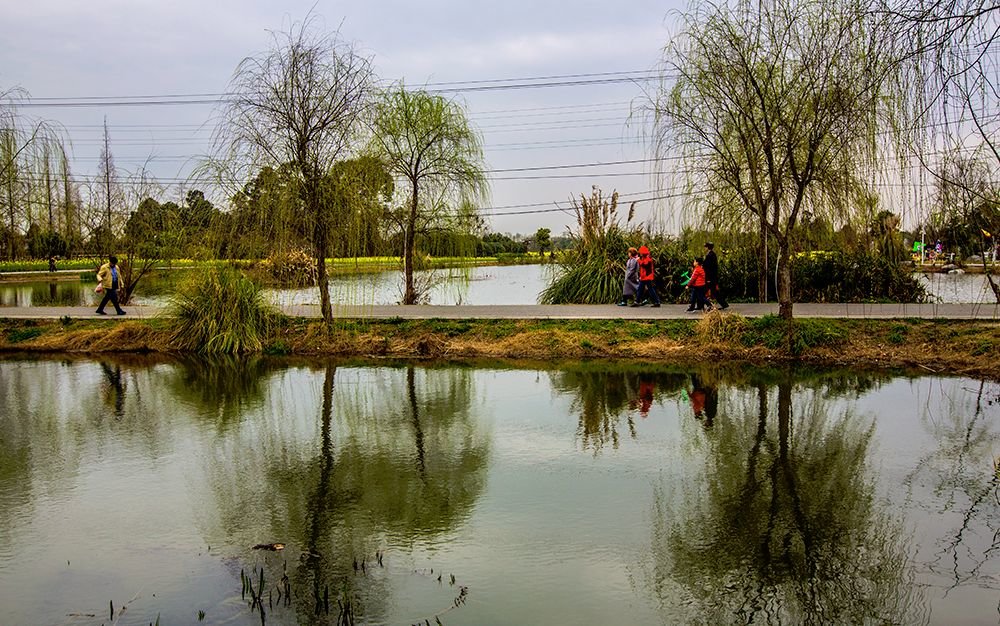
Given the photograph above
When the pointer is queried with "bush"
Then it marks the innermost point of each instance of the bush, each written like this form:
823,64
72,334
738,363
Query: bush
288,269
220,312
825,276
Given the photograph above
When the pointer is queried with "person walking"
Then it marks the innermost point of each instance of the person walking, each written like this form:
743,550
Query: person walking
647,278
697,286
110,281
712,289
631,286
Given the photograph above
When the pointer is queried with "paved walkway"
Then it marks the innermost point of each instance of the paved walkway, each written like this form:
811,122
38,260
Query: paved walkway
567,311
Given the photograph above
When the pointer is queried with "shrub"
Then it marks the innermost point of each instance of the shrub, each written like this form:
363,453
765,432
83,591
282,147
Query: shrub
295,268
220,312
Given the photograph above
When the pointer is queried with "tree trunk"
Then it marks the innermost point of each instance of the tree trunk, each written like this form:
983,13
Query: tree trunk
986,271
784,281
321,243
321,276
10,233
762,264
409,238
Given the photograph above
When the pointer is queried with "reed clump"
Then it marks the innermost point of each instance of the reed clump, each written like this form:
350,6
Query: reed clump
592,271
721,327
220,311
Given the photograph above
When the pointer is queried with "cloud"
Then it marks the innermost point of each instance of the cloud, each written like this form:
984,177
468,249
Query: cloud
530,53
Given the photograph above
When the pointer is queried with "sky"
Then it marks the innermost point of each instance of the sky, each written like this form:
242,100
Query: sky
116,48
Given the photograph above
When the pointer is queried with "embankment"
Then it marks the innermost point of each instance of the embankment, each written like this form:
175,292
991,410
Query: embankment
968,348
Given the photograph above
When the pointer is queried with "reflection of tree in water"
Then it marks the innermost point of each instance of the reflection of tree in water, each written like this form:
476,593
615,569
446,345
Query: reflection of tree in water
114,388
783,526
221,387
52,411
602,397
964,477
389,457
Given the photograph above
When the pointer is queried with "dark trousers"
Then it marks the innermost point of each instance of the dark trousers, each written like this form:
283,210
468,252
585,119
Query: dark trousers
698,298
647,286
110,295
716,294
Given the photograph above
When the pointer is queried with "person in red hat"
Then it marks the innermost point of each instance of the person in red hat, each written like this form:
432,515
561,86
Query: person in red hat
647,277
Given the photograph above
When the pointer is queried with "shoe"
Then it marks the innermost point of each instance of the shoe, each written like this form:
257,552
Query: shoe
634,305
689,310
100,312
656,306
724,307
121,312
622,303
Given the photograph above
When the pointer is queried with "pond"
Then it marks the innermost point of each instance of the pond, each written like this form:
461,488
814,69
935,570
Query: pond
588,493
483,285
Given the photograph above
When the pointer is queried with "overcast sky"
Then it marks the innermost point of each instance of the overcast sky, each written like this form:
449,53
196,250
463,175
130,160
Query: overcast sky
138,47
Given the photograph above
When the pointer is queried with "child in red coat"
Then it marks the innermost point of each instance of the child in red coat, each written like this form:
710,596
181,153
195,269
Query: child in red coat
697,285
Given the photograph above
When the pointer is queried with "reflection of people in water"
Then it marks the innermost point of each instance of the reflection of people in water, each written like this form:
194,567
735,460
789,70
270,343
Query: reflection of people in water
704,400
643,400
646,389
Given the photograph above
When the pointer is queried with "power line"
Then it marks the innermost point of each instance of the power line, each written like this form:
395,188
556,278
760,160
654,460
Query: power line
499,84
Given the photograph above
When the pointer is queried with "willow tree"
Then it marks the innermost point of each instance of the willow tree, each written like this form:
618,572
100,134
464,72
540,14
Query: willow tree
23,142
428,144
953,86
300,104
774,107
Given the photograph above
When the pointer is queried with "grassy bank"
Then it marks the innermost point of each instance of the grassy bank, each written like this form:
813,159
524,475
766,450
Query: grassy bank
950,347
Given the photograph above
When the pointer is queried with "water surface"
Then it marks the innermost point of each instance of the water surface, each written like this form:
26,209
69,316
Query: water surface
480,285
587,494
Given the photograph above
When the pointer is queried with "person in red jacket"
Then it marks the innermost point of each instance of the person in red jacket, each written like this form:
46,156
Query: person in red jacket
647,278
697,285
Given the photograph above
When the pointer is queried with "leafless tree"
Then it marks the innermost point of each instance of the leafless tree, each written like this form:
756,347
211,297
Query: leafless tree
300,105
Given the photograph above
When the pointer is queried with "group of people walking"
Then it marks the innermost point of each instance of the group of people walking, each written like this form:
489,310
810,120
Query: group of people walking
703,281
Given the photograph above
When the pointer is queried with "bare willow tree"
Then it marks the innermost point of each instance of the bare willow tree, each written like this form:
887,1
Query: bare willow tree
300,106
427,143
953,72
774,106
23,142
967,207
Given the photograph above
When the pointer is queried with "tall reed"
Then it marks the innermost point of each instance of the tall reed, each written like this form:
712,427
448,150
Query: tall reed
220,311
592,272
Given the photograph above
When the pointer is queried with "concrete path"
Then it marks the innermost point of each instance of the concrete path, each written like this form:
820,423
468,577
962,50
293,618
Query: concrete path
568,311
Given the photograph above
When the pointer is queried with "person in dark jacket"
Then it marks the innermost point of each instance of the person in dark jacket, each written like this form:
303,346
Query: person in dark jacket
647,278
711,265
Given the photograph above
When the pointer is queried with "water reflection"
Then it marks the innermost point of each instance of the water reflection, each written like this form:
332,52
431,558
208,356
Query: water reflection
776,494
783,525
603,396
391,456
222,389
960,480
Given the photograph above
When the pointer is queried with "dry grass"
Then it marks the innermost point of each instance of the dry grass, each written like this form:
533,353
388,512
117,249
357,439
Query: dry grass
957,347
718,327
